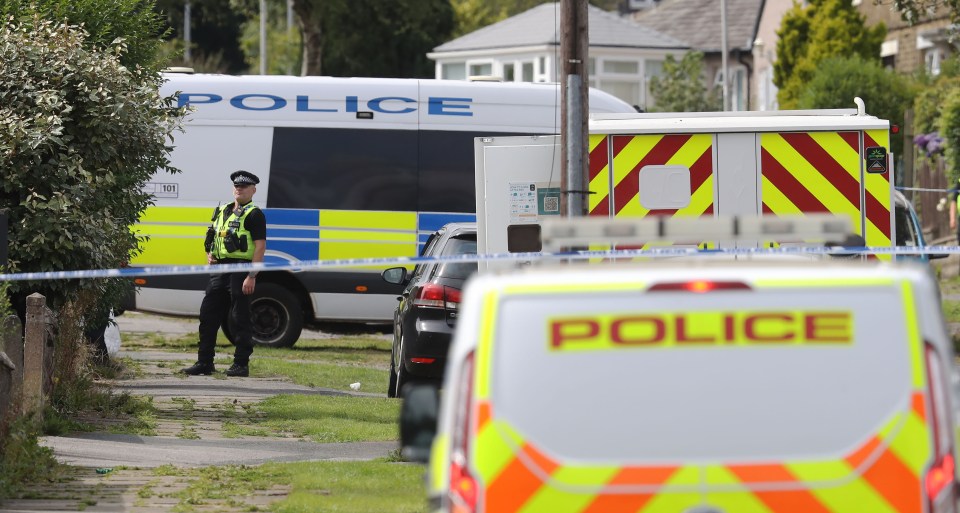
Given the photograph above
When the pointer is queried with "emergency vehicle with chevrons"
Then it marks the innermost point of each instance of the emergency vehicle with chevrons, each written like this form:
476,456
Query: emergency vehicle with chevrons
770,385
696,165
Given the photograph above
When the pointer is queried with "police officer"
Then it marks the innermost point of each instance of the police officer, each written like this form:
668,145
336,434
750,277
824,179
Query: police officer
238,235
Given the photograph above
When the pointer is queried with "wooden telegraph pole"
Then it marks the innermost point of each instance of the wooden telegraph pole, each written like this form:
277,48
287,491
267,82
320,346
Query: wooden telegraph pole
574,107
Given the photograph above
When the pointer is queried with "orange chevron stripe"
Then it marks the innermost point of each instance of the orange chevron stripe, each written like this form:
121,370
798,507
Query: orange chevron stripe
484,413
857,457
516,484
781,501
919,405
894,481
630,503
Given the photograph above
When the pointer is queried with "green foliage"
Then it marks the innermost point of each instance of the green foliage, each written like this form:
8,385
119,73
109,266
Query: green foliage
283,47
914,11
133,21
215,29
949,128
839,79
812,34
372,38
682,88
22,459
80,134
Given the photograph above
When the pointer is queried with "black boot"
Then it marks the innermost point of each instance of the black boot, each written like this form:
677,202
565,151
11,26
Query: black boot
238,370
199,368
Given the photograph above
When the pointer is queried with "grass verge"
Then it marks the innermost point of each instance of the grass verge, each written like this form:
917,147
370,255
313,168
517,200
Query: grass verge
325,419
321,374
339,487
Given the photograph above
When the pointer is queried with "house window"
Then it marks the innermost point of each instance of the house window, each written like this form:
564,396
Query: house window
650,69
508,72
621,67
626,90
738,90
454,71
526,69
932,59
481,69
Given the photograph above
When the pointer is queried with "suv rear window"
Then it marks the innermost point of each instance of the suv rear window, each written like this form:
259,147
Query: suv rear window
723,400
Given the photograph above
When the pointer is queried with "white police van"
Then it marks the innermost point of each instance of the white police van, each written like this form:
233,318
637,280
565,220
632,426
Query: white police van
774,384
349,168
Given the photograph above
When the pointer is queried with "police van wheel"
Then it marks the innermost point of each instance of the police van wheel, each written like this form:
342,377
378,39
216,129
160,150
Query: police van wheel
276,316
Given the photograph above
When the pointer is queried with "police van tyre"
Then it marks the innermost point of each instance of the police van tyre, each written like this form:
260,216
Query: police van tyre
276,317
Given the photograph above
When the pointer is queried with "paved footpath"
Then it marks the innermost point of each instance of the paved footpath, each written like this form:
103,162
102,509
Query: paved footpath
191,412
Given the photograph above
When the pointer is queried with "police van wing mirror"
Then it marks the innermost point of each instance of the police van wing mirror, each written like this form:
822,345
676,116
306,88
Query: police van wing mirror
937,256
395,275
418,421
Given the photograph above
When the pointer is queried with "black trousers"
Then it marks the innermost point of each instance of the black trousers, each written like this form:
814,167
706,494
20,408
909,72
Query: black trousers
225,296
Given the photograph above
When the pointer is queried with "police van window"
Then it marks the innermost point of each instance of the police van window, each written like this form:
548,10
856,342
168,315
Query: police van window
335,168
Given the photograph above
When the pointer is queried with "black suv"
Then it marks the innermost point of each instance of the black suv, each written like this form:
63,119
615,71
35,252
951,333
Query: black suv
425,318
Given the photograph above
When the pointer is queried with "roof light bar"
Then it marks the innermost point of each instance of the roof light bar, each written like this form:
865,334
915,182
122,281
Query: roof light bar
569,232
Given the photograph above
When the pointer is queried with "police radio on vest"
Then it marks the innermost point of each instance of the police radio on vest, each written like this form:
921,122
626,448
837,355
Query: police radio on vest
436,106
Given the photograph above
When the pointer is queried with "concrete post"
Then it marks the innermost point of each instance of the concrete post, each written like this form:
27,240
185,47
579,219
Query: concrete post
34,346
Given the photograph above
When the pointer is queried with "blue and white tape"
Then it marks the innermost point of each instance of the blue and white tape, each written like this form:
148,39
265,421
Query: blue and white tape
312,265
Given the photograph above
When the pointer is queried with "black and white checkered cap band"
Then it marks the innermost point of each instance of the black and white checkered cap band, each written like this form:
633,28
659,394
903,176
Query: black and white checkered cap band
243,179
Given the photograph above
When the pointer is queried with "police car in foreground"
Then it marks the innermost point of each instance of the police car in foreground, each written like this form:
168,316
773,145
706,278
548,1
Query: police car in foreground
694,386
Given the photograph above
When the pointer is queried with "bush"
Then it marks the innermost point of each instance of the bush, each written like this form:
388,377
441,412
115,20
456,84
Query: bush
839,79
80,135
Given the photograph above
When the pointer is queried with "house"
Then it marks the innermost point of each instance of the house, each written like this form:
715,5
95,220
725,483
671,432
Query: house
699,24
907,48
623,55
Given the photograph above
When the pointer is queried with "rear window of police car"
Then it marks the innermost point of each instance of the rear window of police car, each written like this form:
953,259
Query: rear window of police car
560,378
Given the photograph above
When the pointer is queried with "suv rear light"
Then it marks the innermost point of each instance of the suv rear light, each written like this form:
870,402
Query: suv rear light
939,482
432,295
698,286
464,491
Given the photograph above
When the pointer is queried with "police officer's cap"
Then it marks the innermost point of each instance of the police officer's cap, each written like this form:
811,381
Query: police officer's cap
242,177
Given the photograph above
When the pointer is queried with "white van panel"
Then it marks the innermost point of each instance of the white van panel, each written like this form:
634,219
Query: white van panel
354,307
207,157
727,403
170,301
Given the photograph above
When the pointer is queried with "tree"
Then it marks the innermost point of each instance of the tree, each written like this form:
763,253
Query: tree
809,35
839,79
284,48
371,38
682,88
215,32
80,135
134,21
913,11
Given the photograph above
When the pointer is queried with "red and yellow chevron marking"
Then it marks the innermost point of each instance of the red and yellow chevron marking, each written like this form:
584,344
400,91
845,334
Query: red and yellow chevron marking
820,172
631,153
882,475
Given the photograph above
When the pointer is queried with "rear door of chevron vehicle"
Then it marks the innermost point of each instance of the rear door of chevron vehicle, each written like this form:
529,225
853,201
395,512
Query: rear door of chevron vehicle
350,168
697,165
698,385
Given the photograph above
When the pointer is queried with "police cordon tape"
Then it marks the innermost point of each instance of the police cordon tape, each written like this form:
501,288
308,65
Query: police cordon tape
307,265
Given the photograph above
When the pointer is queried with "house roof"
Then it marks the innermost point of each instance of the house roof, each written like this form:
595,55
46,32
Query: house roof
541,26
697,22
